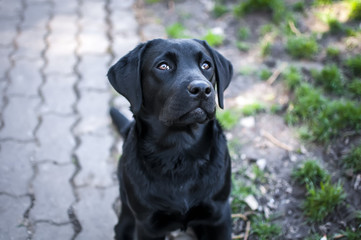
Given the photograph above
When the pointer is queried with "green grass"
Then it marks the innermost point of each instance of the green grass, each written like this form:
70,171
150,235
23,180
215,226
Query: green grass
325,118
332,53
213,39
310,172
264,229
335,26
267,28
176,30
260,175
299,6
330,78
292,77
227,118
314,237
243,46
353,159
308,103
265,74
353,65
266,48
276,7
355,87
350,234
322,2
152,1
355,13
241,190
320,202
252,109
302,47
219,10
243,33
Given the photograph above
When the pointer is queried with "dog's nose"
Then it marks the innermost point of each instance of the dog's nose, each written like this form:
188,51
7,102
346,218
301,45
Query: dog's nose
199,88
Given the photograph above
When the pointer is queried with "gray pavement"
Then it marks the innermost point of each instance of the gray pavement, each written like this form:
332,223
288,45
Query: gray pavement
58,150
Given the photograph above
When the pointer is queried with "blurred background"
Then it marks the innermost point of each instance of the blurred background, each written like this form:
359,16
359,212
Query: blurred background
292,112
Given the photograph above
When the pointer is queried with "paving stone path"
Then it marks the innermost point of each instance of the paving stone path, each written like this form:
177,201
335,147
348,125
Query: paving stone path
58,149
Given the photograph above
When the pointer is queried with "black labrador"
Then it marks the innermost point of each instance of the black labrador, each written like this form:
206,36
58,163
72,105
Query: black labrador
175,169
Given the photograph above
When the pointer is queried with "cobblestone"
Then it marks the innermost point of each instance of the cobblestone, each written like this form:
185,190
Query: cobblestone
93,106
30,49
11,223
57,146
44,230
20,118
95,165
93,210
59,95
94,69
16,167
25,78
7,31
53,193
56,141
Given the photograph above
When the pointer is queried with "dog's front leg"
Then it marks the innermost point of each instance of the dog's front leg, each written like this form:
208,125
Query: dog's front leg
124,230
222,230
142,234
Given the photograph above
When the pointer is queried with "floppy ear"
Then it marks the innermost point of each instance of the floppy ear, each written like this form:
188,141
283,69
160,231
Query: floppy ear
125,77
223,70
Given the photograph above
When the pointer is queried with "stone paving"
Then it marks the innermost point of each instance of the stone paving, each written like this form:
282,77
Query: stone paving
58,149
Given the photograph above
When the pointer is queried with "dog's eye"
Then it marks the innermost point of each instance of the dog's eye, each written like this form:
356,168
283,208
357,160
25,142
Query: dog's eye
163,66
205,65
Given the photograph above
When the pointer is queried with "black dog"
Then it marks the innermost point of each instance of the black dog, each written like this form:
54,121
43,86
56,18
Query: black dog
175,169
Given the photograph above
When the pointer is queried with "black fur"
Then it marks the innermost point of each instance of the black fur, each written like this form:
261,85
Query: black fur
175,169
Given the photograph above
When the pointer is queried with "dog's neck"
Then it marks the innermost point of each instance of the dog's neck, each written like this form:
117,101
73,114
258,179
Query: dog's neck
174,151
155,132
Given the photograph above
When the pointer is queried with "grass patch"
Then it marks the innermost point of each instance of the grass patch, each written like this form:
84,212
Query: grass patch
355,86
299,6
325,117
213,39
302,47
252,109
264,229
292,77
353,65
243,33
310,172
355,13
350,234
243,46
353,159
335,26
265,74
260,175
176,30
330,78
308,103
276,7
219,10
320,202
240,190
332,53
266,48
227,118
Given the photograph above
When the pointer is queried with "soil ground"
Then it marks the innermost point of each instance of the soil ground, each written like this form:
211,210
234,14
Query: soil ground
265,139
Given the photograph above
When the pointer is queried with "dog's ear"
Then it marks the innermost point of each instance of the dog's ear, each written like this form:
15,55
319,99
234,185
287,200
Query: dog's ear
223,70
125,77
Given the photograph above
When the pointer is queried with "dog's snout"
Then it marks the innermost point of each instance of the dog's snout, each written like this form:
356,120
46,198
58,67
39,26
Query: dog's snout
199,88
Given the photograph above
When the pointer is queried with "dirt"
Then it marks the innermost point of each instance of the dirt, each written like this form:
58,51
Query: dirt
265,136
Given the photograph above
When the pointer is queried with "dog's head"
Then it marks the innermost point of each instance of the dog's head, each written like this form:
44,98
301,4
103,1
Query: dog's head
173,80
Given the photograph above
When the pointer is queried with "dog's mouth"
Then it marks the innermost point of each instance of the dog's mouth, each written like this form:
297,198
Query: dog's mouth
197,115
